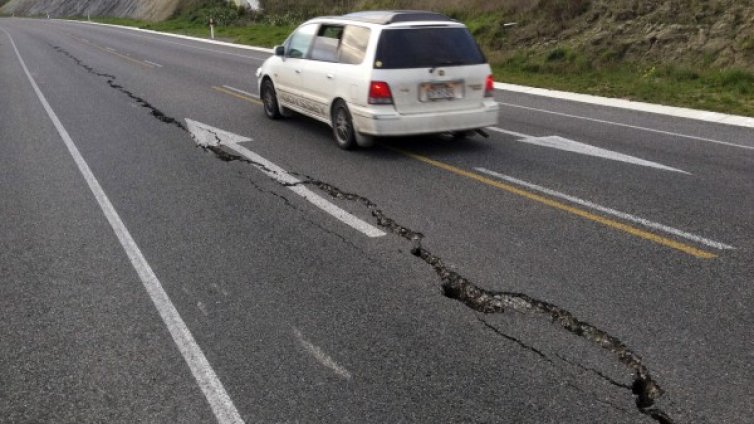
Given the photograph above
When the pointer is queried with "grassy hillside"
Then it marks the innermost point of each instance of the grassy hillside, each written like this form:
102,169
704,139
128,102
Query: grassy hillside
693,53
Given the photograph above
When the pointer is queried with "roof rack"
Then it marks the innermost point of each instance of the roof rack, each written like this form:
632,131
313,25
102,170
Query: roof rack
386,17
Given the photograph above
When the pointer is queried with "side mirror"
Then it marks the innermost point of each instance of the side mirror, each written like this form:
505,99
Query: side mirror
279,51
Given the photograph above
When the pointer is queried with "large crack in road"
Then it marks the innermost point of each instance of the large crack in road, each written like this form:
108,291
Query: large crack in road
457,287
454,285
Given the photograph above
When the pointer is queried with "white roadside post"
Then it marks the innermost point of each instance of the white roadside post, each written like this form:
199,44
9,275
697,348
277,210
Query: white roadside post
212,28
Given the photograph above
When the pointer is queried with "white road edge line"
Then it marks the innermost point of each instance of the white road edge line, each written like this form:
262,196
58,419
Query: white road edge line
678,112
608,211
282,176
152,63
221,404
321,356
635,127
239,91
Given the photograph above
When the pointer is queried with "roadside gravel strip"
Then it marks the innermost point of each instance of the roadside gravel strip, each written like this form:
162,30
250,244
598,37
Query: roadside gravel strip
678,112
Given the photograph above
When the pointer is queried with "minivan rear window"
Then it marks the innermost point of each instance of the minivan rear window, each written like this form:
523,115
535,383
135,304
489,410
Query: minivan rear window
426,47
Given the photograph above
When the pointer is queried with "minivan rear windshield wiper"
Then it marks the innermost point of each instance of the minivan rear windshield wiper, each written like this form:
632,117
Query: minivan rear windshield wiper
445,63
449,63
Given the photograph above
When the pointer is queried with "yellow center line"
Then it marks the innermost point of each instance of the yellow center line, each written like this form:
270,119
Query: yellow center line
691,250
138,62
240,96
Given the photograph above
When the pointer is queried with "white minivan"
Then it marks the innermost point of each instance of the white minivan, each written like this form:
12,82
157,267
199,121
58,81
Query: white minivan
381,73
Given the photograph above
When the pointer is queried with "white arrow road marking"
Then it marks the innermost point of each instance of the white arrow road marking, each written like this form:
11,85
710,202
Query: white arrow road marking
560,143
634,127
206,135
609,211
222,406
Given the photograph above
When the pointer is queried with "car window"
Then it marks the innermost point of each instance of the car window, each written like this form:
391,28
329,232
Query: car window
427,47
353,46
326,43
298,44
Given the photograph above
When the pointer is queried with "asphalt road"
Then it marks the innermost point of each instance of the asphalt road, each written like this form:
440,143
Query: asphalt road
614,274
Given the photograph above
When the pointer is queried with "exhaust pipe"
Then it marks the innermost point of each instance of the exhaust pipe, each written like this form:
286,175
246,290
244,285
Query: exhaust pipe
482,132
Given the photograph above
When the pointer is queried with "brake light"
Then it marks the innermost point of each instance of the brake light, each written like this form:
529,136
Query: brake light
380,94
489,86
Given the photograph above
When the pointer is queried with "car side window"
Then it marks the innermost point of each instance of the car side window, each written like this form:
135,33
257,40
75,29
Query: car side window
353,46
298,44
325,46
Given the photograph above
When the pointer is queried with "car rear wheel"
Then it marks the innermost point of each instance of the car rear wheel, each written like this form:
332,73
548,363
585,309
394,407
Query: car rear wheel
460,135
342,126
270,100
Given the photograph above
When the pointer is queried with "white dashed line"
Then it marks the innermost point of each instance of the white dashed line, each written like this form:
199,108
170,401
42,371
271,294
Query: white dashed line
321,356
609,211
153,64
202,308
239,91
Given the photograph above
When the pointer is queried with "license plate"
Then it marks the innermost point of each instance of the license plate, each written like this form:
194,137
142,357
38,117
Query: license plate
440,91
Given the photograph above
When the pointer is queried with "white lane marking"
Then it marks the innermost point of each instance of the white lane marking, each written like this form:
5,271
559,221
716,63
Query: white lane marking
202,308
221,404
239,91
608,211
560,143
321,356
110,49
152,63
206,135
185,37
220,289
635,127
679,112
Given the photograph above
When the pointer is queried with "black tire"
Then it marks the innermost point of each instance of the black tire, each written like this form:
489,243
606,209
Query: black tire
270,100
342,126
460,135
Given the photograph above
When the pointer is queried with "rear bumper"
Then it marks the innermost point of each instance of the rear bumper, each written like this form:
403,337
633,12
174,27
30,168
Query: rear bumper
385,121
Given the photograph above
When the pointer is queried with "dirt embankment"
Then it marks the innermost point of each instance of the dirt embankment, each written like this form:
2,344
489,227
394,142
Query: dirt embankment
149,10
713,32
710,32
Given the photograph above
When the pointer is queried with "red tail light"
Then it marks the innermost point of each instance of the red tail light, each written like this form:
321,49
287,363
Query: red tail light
380,94
489,86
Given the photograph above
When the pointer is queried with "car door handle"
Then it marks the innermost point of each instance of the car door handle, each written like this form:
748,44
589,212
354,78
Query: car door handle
330,76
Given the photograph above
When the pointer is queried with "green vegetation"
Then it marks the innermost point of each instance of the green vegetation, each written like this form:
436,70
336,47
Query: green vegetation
252,33
553,44
721,90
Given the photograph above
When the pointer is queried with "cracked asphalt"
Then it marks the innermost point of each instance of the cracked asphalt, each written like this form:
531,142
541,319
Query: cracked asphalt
480,305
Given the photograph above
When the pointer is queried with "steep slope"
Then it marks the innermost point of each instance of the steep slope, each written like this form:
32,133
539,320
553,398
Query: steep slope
149,10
